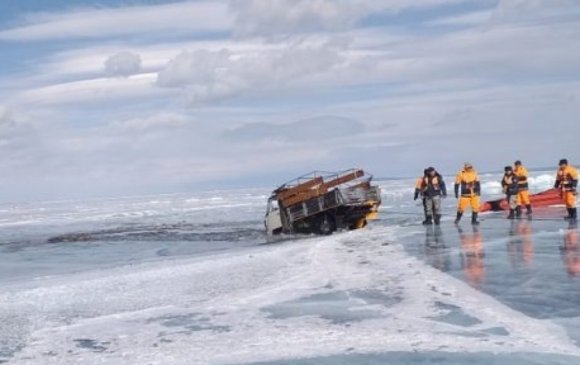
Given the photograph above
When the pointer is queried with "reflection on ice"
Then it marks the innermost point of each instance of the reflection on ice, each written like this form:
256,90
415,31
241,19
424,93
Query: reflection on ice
520,246
472,256
571,250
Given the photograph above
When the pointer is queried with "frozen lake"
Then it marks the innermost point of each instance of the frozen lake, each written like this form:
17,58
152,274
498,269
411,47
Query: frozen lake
192,279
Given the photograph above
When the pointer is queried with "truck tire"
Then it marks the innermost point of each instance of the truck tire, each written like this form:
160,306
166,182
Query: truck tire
326,225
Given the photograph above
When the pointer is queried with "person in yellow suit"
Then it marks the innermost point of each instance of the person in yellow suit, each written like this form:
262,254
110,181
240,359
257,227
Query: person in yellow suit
567,181
523,197
468,181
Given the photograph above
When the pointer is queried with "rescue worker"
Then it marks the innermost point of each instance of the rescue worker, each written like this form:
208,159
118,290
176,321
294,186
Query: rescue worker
468,181
523,194
419,192
510,187
566,181
434,189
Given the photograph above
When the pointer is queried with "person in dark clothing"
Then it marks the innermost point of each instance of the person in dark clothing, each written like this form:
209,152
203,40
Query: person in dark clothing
510,186
419,192
433,188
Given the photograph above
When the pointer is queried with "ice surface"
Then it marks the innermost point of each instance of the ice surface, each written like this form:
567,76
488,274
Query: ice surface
190,279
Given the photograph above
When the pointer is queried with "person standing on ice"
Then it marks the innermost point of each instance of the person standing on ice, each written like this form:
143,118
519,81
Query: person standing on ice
567,181
468,180
419,192
523,197
510,186
434,189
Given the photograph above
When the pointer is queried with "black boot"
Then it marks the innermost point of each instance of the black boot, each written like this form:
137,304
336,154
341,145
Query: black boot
474,220
569,210
528,209
428,221
511,215
573,215
458,218
437,219
518,212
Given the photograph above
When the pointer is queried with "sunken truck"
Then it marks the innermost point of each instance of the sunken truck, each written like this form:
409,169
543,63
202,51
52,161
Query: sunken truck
323,202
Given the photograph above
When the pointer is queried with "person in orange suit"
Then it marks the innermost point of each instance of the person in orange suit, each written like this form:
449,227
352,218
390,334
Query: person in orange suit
571,250
472,257
420,192
467,182
567,181
523,197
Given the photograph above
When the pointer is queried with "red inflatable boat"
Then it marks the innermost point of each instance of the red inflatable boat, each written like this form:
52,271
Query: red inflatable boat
543,199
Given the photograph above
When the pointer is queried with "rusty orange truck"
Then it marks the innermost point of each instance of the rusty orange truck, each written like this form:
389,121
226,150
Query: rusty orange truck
323,202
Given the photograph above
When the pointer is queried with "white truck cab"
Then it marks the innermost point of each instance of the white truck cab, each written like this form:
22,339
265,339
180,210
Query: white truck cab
273,220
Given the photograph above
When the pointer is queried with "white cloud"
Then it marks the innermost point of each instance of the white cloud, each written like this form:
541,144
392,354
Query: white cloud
524,10
469,19
6,115
92,91
123,64
185,17
322,128
152,122
208,75
280,17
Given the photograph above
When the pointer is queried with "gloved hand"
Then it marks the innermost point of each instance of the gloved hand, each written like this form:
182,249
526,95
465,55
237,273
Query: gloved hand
416,196
556,185
456,195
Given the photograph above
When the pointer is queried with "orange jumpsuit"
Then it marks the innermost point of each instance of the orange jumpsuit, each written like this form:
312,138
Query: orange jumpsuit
567,180
523,195
468,181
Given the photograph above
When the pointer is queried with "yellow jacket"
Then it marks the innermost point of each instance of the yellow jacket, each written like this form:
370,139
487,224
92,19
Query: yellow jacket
468,180
522,174
566,178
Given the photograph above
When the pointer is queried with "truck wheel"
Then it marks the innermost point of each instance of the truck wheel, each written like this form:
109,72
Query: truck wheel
326,225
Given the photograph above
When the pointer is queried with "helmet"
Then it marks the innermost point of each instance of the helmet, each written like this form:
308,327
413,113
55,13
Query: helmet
563,162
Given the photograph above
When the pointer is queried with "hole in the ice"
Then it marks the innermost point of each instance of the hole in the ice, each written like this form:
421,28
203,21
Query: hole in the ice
90,344
193,322
498,331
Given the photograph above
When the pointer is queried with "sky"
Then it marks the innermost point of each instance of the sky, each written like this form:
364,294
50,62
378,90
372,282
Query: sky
109,98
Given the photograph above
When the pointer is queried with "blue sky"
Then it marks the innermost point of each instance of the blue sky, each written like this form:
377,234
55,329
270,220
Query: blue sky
132,97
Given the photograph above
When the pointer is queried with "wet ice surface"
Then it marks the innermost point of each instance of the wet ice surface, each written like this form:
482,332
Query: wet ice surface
192,280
